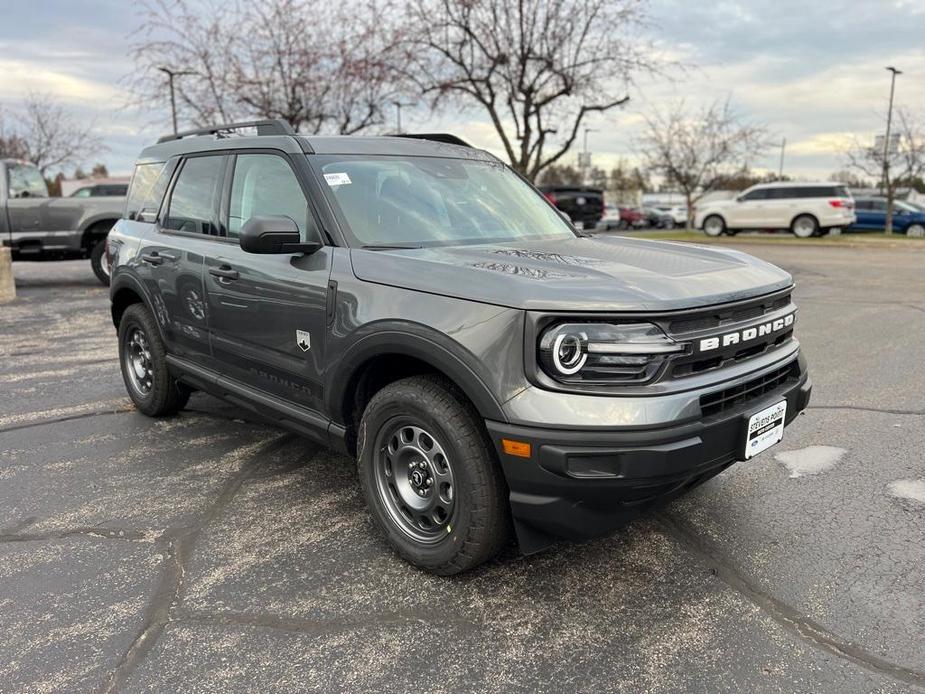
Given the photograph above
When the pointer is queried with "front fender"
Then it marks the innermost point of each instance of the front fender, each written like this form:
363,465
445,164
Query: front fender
419,342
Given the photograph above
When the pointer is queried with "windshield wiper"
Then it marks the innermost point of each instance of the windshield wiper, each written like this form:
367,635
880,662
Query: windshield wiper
390,246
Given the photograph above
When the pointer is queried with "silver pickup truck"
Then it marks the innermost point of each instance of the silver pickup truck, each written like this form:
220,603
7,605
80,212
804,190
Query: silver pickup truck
38,227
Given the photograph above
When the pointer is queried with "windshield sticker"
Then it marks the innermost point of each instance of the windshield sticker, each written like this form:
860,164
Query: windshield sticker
337,179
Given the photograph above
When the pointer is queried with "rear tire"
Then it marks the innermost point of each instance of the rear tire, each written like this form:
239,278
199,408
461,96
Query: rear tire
99,262
714,226
805,226
143,358
430,476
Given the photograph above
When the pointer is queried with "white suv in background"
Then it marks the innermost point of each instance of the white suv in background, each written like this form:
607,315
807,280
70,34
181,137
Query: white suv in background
807,209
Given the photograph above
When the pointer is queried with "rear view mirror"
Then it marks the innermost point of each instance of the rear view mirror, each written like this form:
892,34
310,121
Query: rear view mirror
273,235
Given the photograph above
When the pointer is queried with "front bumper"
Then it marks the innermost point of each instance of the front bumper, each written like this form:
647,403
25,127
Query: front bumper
584,483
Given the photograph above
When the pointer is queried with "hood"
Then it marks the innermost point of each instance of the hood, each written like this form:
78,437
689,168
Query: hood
580,274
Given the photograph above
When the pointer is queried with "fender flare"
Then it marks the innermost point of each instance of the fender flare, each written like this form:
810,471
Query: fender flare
127,281
419,342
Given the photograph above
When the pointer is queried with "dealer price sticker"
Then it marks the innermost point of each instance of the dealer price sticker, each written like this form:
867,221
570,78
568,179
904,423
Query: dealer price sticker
765,428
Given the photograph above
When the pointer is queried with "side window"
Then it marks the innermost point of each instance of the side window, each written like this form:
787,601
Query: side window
82,193
782,193
26,182
879,205
862,204
760,194
265,184
141,187
192,203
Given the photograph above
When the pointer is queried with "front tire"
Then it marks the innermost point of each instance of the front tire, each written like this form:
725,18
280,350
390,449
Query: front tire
143,358
714,226
915,230
805,226
430,477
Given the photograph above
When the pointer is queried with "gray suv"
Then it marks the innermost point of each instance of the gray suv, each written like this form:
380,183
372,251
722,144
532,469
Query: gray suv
413,302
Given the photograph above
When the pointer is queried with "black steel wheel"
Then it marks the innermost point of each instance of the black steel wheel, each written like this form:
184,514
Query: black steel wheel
142,356
430,476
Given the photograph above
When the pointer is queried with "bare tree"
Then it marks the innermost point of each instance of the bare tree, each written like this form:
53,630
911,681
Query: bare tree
905,162
12,145
318,66
695,150
536,68
47,134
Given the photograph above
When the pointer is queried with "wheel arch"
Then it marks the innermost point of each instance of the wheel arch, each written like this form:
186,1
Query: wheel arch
95,227
124,292
387,356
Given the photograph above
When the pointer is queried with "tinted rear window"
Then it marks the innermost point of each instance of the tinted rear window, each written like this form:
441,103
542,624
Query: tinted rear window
811,192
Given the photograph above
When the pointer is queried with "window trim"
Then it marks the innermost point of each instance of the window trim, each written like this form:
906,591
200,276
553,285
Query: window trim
225,212
163,213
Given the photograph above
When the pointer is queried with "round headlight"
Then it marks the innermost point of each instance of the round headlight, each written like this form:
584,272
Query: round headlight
568,353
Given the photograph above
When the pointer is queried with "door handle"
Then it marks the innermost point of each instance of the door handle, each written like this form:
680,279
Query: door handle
225,272
153,258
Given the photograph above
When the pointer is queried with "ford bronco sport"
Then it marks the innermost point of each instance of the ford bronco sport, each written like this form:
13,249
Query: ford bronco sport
413,302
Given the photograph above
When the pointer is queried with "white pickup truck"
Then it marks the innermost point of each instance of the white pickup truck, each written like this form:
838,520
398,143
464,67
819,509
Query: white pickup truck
38,227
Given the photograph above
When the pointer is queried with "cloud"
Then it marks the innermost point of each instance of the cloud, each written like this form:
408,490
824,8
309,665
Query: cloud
19,77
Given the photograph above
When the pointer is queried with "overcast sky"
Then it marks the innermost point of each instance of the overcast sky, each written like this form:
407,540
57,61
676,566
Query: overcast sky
810,70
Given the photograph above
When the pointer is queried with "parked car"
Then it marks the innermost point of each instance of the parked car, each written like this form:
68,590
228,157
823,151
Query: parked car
38,227
806,209
655,217
621,217
417,305
634,217
101,190
584,205
674,216
871,216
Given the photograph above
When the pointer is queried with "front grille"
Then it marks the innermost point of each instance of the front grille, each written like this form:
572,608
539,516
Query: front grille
722,400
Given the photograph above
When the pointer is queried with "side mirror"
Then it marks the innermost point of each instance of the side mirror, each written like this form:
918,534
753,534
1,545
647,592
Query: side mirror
273,235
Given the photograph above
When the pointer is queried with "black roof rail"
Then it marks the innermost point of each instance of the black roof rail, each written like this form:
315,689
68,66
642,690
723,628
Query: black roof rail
436,137
276,126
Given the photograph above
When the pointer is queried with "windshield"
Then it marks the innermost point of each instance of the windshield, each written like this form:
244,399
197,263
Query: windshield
908,207
426,201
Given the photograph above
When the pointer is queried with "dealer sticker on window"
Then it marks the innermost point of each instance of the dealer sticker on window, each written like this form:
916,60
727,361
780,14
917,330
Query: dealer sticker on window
765,428
337,179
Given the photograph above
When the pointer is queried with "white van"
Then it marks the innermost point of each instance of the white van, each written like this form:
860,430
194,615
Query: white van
806,209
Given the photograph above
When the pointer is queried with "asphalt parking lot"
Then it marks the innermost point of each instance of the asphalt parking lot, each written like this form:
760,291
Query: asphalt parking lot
209,552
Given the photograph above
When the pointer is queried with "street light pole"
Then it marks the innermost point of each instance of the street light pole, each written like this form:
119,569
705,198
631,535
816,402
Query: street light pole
886,151
398,105
783,146
173,100
586,163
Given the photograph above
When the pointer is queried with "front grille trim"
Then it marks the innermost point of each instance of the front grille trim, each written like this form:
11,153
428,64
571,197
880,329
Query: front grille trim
734,397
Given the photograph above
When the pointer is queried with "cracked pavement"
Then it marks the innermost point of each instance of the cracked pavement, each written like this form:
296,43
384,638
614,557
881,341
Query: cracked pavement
212,551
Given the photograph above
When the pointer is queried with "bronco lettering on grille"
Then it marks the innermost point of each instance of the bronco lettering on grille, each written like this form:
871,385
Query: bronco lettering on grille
747,334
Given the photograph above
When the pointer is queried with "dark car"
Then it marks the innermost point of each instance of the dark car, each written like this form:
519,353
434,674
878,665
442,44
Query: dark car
418,305
584,205
871,216
657,218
